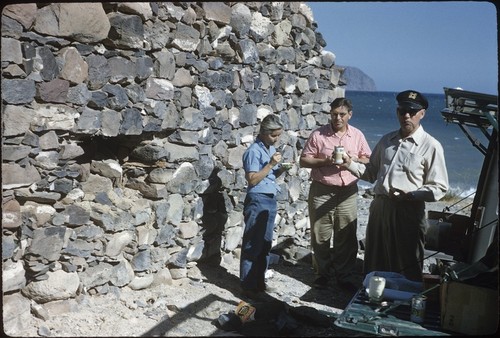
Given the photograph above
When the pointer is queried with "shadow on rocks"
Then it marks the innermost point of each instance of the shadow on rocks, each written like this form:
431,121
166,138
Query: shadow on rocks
300,267
275,318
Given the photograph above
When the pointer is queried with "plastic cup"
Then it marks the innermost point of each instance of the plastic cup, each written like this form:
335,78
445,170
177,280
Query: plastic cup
376,288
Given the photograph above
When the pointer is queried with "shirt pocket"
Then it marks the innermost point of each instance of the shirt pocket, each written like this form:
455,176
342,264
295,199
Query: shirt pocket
327,151
413,163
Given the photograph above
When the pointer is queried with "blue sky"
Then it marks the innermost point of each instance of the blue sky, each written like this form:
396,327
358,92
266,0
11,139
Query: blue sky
420,45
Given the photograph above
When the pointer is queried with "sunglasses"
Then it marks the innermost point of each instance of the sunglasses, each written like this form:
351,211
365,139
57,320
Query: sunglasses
404,111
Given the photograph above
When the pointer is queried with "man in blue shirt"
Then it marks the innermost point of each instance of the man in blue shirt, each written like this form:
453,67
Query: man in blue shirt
261,165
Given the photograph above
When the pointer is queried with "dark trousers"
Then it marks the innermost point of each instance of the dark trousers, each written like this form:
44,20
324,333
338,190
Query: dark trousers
259,214
395,237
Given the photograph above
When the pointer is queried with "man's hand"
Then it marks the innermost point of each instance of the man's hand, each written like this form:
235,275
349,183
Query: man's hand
400,195
347,161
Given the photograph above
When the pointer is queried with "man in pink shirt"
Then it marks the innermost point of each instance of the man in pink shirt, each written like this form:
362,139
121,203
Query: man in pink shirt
332,198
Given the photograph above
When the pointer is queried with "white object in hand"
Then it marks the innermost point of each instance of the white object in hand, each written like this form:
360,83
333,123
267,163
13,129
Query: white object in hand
339,152
376,288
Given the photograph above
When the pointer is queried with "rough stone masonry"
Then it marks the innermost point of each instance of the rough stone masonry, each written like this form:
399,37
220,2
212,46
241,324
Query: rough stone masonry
123,127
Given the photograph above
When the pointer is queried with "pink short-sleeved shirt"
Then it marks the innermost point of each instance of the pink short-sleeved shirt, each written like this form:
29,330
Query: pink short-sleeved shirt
321,144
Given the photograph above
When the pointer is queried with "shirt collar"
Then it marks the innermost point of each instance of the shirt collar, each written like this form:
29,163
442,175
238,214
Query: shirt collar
332,132
417,137
263,145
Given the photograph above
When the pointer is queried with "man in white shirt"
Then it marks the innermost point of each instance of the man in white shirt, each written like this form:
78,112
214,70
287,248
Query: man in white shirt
409,169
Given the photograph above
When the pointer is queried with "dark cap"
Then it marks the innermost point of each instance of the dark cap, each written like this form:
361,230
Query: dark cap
412,99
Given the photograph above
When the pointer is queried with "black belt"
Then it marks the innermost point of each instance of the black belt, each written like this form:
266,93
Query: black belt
394,199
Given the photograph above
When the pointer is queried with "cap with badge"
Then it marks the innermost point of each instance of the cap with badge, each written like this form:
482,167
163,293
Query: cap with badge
412,99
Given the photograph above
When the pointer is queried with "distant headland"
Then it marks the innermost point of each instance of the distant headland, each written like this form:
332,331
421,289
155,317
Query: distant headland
356,79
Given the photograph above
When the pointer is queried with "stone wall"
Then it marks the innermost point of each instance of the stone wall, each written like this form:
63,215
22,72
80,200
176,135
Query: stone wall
123,127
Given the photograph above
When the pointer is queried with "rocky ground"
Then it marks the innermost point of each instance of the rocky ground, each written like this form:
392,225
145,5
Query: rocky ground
192,306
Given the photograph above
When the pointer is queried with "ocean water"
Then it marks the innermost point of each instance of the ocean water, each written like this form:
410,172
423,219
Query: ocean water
374,113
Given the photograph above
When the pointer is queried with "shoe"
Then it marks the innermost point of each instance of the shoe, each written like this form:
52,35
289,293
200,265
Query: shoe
321,282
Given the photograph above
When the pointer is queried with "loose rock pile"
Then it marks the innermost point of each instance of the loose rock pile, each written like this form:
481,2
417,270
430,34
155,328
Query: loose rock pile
123,129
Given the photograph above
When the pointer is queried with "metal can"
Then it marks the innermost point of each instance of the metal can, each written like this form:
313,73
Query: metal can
339,152
418,308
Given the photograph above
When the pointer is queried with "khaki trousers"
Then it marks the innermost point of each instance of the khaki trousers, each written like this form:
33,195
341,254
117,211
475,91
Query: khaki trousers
333,213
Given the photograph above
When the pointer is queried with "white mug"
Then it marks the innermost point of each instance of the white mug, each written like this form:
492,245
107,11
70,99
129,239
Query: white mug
376,288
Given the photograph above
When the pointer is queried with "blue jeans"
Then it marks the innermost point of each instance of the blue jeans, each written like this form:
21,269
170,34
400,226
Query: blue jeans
259,214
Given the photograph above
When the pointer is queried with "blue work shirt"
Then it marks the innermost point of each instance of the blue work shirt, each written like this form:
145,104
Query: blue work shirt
256,157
